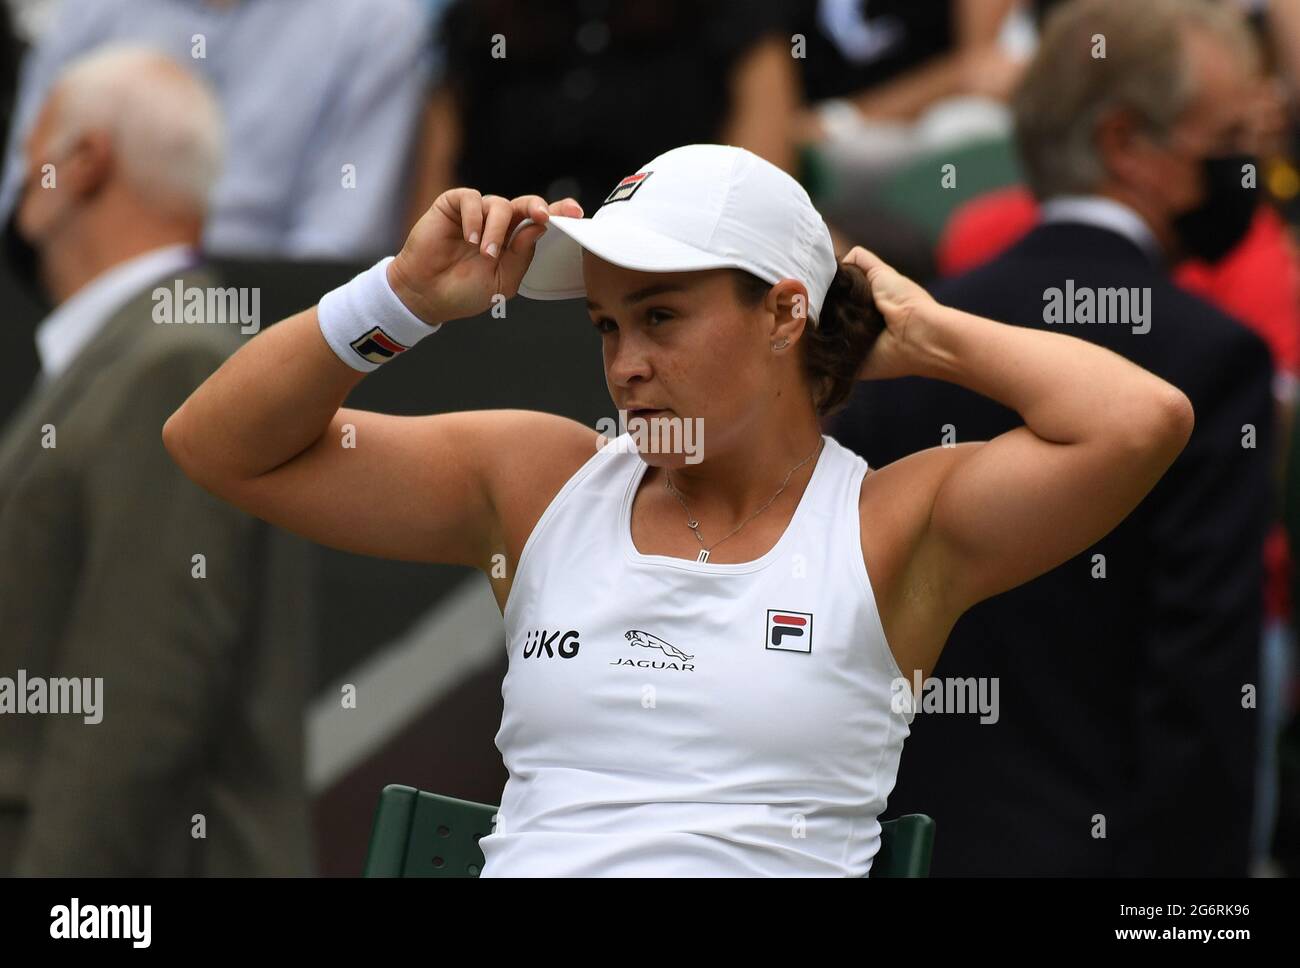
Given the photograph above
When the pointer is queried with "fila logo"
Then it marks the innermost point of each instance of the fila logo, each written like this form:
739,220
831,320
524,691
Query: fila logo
628,186
538,643
789,631
377,346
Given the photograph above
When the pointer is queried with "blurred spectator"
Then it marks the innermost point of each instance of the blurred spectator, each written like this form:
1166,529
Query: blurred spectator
320,103
893,59
1258,282
1127,738
115,570
889,83
560,98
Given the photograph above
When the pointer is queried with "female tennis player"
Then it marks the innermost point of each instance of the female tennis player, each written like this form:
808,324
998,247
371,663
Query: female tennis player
708,652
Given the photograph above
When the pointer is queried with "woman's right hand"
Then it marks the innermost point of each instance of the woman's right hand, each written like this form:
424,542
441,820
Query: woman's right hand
456,257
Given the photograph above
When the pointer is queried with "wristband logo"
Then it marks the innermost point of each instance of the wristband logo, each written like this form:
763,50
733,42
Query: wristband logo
377,346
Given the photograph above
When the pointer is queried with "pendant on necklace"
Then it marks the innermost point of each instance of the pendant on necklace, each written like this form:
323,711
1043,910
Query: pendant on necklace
704,555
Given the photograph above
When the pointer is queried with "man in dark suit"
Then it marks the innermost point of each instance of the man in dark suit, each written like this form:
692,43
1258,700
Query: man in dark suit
1125,740
170,624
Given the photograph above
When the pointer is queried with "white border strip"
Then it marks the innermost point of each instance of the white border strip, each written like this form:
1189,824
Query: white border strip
453,640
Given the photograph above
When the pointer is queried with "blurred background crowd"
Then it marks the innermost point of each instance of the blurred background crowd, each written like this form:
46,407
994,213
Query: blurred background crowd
283,145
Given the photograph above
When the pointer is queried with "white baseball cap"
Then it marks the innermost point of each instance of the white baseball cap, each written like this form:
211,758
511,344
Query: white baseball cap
692,208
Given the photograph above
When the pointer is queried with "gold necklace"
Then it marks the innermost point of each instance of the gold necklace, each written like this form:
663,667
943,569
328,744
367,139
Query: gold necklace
694,525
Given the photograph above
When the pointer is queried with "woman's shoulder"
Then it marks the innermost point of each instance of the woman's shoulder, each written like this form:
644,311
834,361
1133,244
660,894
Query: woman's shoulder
536,455
895,507
896,499
540,447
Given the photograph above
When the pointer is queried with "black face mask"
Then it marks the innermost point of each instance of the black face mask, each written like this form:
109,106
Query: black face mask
1214,228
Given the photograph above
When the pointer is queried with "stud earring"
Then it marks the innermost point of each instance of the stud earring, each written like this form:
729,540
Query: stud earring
781,345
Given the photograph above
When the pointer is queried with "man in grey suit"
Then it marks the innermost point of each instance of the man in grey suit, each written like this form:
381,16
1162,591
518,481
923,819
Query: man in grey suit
152,637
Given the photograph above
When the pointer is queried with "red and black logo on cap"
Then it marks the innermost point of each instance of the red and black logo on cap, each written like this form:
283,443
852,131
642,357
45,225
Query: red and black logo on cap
377,346
628,186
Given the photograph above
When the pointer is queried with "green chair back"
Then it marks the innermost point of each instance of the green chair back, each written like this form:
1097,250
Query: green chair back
420,834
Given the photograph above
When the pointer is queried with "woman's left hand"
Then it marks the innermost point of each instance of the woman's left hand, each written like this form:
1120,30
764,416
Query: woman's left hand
903,304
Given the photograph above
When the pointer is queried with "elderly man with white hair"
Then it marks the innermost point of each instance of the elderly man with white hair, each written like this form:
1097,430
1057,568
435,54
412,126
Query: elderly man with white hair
151,661
323,100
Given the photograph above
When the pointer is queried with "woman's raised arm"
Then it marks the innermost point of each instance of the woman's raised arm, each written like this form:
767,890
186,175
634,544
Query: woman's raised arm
266,431
1099,432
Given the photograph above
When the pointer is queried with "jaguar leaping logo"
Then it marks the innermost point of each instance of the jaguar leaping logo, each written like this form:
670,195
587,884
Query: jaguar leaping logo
648,641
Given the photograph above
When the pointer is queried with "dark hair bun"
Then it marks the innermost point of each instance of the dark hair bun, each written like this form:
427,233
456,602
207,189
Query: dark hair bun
845,332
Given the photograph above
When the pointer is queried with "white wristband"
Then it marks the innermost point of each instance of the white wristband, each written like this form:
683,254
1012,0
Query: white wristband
365,323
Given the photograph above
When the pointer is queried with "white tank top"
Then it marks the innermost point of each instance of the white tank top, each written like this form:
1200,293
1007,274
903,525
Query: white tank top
666,717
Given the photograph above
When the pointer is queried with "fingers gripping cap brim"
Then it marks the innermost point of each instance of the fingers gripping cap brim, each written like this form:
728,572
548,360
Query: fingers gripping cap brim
556,269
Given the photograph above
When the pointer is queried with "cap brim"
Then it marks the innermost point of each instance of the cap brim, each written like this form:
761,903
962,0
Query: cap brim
556,269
